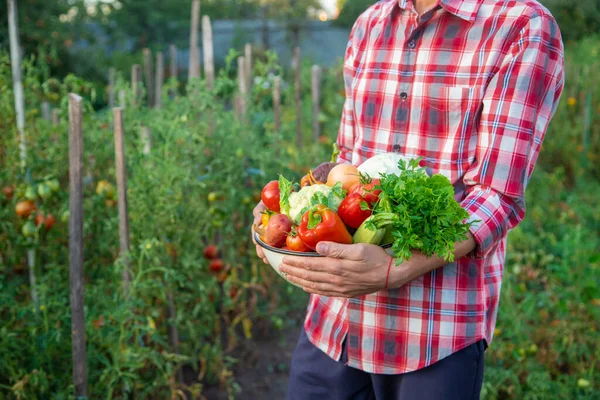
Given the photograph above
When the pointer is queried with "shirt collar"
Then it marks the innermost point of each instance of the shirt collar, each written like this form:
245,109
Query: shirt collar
465,9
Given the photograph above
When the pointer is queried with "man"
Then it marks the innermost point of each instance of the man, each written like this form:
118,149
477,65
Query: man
470,85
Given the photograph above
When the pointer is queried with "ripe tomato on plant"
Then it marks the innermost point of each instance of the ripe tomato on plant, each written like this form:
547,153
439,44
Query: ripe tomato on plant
211,252
270,196
366,188
216,265
49,221
25,208
9,192
351,210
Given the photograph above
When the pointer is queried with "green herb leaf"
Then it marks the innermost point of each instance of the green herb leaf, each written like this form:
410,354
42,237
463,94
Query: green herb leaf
422,211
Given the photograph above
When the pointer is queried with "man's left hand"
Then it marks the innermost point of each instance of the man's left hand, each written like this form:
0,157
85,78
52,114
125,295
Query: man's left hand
345,271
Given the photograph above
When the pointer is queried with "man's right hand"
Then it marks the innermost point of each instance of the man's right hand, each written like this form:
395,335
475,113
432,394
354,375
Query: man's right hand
257,212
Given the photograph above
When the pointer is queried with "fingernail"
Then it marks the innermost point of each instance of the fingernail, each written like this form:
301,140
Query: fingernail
283,270
322,248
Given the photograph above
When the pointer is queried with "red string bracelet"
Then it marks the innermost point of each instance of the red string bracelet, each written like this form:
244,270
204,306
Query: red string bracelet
388,272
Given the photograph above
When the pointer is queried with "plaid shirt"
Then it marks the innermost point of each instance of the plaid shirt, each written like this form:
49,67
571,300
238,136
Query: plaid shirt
470,86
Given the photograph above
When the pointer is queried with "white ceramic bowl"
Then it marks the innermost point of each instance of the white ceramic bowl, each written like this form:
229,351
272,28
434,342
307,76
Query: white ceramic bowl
275,256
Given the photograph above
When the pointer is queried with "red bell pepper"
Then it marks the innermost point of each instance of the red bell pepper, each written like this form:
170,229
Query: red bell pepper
322,224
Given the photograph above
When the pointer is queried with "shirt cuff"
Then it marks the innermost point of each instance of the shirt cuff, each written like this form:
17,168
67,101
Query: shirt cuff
487,217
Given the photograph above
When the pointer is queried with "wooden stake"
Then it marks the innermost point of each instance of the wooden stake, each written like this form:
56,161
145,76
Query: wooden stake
194,66
136,87
111,87
46,113
119,130
76,244
173,333
298,84
173,61
243,88
15,61
316,100
276,112
55,117
160,77
146,137
237,107
149,77
209,58
248,58
122,99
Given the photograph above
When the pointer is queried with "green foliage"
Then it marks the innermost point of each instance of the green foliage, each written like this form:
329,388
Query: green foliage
422,212
198,148
545,345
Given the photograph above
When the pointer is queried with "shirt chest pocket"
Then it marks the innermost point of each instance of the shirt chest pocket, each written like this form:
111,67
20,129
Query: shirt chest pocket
444,123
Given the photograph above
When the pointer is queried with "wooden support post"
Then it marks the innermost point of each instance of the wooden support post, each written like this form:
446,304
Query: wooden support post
136,87
298,85
194,65
277,112
173,70
55,117
209,58
237,107
122,99
248,58
15,62
46,113
160,77
146,138
76,244
243,88
119,130
316,100
111,87
149,77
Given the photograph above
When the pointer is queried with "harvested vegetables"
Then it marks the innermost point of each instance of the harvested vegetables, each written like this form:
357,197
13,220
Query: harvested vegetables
405,207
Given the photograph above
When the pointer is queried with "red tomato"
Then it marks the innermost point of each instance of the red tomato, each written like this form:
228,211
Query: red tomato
9,192
49,221
216,265
270,196
351,212
25,208
211,252
39,219
367,191
294,243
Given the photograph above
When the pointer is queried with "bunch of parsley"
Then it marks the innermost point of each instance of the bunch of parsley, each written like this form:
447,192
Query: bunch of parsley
421,212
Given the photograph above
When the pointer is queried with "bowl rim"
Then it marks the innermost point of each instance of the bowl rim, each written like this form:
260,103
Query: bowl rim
295,253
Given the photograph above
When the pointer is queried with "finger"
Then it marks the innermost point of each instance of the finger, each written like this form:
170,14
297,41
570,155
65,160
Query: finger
260,253
354,252
314,287
327,294
330,266
309,276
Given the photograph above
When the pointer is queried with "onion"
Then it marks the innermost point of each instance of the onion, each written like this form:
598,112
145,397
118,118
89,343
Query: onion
347,174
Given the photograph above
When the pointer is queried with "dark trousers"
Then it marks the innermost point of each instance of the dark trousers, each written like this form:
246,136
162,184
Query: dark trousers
315,376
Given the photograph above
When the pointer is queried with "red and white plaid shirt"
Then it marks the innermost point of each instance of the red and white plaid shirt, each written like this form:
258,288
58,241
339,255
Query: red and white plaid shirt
470,86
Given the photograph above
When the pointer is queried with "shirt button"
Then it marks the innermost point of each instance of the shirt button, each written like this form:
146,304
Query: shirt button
404,95
412,44
396,148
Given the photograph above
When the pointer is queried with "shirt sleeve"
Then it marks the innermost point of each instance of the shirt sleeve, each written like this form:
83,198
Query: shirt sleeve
345,139
518,104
